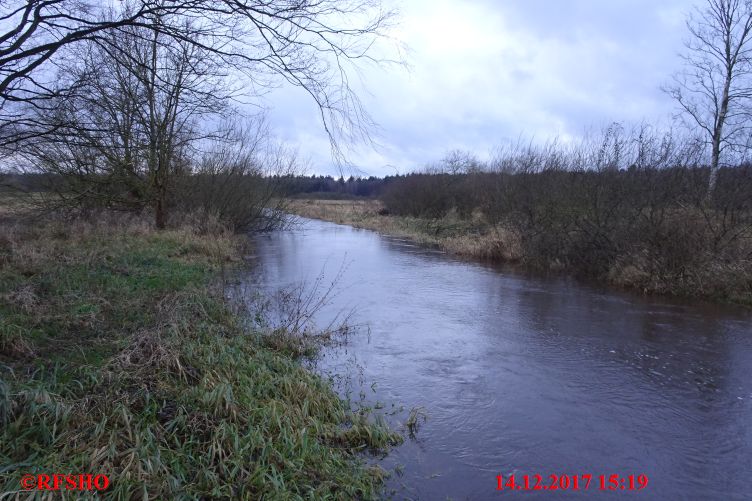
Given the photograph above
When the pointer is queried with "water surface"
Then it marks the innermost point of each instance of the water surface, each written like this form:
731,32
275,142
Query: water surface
530,375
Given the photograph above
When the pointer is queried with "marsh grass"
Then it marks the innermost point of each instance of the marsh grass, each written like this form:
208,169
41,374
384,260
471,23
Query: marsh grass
472,237
680,256
120,355
289,318
417,417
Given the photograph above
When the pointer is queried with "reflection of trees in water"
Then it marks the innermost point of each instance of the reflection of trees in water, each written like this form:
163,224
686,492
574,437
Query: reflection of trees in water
668,375
667,345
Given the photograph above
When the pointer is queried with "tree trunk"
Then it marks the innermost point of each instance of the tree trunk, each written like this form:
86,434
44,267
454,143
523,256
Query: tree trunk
714,161
159,213
160,205
718,129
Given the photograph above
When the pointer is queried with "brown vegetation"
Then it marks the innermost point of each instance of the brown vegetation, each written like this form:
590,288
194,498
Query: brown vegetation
649,229
474,237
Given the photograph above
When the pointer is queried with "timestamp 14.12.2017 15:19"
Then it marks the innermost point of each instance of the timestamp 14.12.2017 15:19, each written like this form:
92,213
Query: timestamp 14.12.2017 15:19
614,482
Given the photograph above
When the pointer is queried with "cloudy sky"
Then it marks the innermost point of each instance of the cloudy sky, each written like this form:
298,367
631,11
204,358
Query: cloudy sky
483,72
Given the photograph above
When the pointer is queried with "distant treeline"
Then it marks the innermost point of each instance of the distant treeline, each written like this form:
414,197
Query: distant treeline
291,185
330,187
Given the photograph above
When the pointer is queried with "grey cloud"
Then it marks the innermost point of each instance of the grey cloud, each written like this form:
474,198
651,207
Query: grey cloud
485,71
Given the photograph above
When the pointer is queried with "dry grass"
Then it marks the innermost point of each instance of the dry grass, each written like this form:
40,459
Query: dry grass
680,268
14,203
473,238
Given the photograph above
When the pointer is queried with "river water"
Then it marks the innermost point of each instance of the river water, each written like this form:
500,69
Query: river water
527,375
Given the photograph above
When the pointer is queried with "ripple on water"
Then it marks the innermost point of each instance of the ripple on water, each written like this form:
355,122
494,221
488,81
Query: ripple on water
531,375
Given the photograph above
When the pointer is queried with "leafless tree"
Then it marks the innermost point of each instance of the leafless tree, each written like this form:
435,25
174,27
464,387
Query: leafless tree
714,89
124,130
457,162
239,179
307,44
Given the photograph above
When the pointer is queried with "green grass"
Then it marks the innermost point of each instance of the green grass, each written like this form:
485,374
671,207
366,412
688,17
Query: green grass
117,356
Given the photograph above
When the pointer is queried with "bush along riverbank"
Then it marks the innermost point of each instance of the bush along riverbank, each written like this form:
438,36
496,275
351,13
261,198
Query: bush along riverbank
120,356
682,252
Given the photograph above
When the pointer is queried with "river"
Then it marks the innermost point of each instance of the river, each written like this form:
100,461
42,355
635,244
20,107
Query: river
527,375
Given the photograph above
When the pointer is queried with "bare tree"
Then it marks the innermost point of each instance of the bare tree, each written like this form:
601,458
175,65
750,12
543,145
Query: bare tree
307,44
239,179
458,162
126,129
715,87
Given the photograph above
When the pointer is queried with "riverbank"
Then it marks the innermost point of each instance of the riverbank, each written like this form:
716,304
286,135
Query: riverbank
472,238
537,360
475,238
120,356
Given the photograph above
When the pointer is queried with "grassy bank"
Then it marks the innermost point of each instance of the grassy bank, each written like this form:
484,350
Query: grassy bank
469,237
120,356
706,275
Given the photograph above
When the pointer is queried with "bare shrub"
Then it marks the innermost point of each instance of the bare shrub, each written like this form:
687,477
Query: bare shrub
239,180
290,317
630,207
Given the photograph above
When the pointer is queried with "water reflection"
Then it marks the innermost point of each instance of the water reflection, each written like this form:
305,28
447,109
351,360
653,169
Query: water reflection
531,375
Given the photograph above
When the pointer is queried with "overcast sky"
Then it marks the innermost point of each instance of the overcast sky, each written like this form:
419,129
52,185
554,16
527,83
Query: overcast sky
484,72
